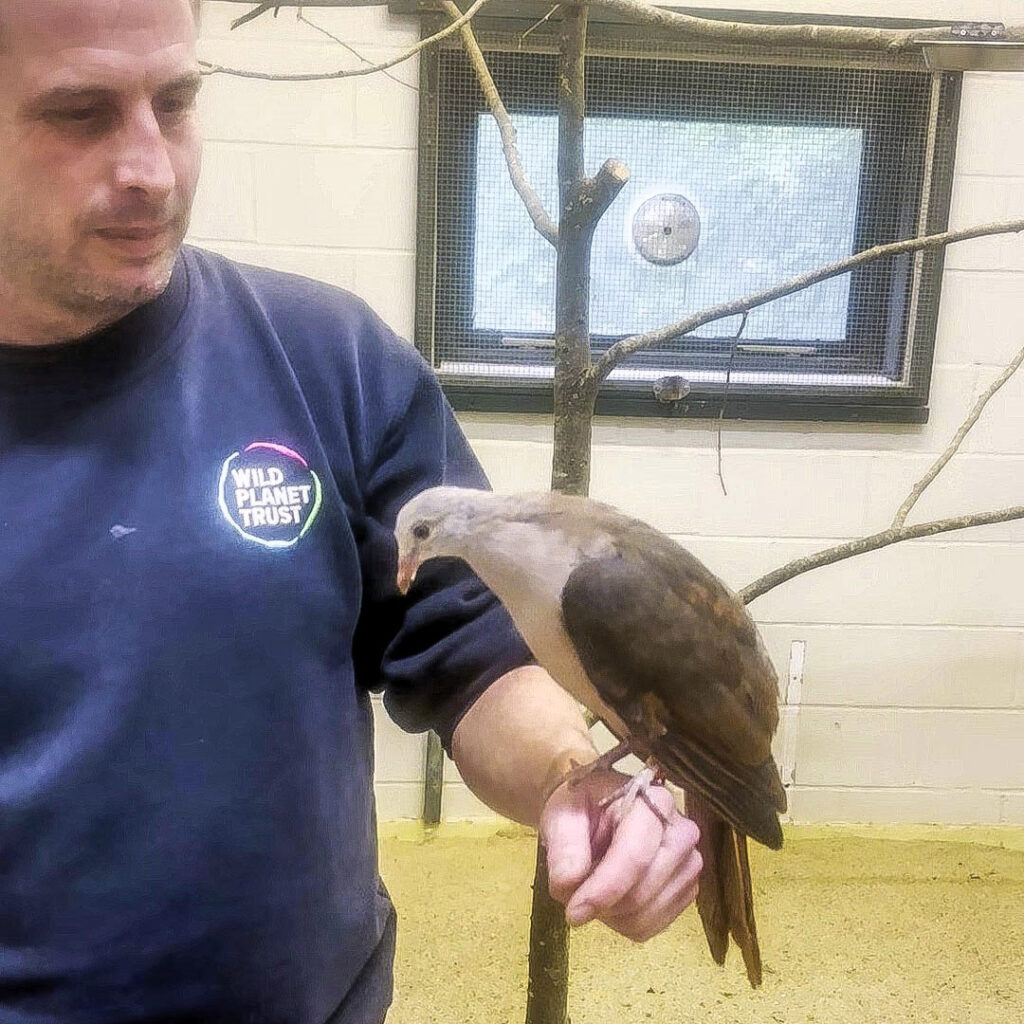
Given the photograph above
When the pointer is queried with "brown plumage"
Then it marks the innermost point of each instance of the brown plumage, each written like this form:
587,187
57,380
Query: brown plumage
647,637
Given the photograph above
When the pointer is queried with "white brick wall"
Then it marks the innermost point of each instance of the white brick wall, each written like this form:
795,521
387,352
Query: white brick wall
913,685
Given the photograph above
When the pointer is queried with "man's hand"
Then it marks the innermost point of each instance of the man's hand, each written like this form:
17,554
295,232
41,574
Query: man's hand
512,746
636,875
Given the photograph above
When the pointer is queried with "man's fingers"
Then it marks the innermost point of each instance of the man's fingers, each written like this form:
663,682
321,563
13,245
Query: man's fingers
641,925
634,846
676,865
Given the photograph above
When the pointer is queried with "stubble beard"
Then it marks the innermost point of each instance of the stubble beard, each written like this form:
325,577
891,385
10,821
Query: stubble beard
72,287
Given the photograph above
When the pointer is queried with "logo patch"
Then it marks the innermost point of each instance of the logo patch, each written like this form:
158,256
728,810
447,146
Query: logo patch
269,494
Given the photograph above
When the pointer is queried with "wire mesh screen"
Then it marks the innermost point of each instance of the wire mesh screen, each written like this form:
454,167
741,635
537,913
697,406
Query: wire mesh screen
745,171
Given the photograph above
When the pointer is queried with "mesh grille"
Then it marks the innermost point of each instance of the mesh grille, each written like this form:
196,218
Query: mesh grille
747,168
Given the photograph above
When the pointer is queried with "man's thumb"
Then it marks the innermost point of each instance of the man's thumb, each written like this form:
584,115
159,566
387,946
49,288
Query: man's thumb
565,835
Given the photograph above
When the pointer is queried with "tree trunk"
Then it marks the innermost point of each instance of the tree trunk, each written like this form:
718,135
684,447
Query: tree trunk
548,987
547,994
574,403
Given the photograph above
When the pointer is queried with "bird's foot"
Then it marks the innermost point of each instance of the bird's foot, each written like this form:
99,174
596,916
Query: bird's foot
579,772
637,787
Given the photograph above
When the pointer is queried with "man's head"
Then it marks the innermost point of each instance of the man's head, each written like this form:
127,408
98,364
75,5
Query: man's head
99,158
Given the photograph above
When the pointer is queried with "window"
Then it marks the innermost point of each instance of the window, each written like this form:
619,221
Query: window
747,167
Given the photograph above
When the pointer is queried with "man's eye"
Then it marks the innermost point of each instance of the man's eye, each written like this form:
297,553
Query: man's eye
91,120
176,105
76,115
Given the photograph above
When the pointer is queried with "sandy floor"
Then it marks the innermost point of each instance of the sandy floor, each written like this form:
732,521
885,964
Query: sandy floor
857,925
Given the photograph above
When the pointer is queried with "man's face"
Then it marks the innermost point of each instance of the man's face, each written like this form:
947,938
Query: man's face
99,151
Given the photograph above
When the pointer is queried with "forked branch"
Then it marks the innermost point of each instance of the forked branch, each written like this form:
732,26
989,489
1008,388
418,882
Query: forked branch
534,207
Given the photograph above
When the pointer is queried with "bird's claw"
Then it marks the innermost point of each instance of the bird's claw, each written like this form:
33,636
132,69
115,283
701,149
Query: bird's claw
638,786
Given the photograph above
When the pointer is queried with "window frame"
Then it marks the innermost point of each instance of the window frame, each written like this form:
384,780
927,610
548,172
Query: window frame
441,277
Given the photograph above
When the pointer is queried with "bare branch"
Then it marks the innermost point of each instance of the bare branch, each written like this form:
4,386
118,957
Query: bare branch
323,76
536,25
972,417
652,339
877,540
301,16
534,207
832,37
255,13
313,3
737,33
593,196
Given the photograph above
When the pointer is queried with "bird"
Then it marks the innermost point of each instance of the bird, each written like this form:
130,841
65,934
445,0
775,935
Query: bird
639,631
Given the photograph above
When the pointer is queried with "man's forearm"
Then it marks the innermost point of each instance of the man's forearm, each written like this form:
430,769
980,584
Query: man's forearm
518,740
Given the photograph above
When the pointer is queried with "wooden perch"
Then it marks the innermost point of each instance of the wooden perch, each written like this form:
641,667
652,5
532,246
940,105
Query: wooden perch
652,339
534,207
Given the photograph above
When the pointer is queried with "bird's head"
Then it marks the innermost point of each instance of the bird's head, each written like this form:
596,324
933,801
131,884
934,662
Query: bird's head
433,524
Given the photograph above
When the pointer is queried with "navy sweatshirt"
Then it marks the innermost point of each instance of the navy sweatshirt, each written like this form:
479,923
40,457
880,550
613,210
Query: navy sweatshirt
196,597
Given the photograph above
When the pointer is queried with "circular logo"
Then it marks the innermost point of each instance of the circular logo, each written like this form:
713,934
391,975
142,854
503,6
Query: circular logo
269,494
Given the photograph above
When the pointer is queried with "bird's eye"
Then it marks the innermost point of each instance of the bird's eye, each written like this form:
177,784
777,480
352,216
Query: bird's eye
421,531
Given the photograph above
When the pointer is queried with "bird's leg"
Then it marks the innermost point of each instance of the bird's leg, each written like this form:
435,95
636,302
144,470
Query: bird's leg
638,786
579,772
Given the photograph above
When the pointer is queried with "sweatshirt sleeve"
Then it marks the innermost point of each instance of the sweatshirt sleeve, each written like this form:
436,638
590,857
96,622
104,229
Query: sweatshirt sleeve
436,650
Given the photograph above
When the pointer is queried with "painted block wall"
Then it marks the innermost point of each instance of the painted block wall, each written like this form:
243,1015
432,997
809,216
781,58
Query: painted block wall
912,685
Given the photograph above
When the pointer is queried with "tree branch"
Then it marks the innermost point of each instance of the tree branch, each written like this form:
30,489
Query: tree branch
972,417
536,25
831,37
300,16
322,76
594,195
255,13
275,5
877,540
652,339
534,207
313,3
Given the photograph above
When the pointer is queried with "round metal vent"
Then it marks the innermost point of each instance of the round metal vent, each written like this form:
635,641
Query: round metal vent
666,229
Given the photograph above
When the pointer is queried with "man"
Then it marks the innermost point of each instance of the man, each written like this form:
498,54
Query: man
200,465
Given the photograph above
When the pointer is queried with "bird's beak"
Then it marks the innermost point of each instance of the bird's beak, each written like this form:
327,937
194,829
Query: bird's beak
407,566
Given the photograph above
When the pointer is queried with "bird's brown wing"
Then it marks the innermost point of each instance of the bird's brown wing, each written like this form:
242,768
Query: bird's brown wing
676,655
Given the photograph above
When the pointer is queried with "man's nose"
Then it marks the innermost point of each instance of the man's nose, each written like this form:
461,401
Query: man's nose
143,159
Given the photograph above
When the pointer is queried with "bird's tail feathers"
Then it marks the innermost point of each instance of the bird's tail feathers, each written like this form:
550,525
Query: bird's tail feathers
749,798
725,898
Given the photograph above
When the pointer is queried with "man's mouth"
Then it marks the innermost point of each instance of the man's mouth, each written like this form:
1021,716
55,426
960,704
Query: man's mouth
137,240
135,232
